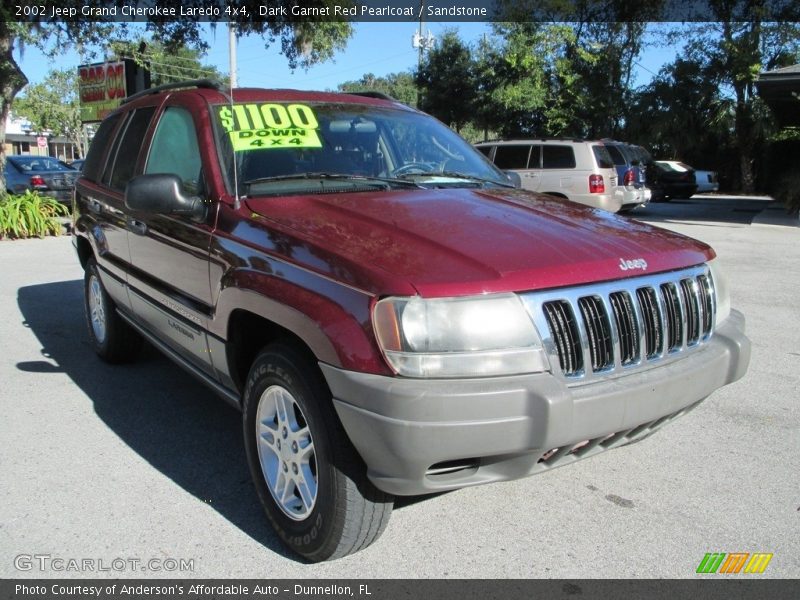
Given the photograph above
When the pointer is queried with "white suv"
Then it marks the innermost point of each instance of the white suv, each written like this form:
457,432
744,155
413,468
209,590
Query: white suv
579,170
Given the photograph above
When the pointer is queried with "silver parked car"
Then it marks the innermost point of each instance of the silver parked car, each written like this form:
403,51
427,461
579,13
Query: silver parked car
578,170
707,181
44,174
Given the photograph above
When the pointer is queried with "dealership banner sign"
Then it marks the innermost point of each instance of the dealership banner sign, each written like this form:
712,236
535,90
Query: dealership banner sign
103,86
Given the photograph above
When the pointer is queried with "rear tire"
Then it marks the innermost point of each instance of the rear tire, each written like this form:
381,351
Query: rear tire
309,478
112,338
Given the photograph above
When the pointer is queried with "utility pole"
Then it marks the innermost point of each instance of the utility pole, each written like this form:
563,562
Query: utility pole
421,41
232,55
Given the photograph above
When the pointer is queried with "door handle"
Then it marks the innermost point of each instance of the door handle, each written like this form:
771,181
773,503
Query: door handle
137,227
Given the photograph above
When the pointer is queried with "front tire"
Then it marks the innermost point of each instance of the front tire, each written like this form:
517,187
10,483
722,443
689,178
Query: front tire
112,338
309,478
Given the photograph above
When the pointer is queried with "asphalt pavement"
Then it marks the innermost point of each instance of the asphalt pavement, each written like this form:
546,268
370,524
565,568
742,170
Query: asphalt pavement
142,463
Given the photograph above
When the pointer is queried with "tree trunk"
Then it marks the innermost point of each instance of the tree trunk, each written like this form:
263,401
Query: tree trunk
12,80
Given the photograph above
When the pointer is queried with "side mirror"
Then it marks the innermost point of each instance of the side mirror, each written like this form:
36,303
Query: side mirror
514,178
162,193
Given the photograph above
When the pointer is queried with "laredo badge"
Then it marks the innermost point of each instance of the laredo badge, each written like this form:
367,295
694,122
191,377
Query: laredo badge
266,126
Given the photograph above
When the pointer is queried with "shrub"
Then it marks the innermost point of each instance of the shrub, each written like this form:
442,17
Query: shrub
787,191
30,215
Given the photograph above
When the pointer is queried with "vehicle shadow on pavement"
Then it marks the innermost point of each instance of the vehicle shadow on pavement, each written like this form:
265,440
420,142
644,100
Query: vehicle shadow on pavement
703,209
173,422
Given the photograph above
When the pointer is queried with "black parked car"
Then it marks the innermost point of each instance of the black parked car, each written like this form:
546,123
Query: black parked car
671,179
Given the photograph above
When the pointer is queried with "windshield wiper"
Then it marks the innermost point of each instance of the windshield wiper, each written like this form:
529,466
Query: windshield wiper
385,182
455,175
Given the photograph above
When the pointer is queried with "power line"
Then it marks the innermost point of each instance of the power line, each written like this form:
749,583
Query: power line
357,67
193,70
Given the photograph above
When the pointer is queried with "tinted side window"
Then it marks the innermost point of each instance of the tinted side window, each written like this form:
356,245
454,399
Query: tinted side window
485,150
616,155
175,149
512,157
93,166
603,157
558,157
129,147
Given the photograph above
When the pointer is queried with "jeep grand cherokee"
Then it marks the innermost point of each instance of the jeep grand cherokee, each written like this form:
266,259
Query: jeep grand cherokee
391,315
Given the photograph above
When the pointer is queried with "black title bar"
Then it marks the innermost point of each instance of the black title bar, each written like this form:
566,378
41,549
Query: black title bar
282,11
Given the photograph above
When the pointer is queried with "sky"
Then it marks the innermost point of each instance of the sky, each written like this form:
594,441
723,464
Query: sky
377,48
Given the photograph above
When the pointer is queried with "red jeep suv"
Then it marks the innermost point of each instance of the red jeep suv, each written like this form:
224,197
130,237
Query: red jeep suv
391,315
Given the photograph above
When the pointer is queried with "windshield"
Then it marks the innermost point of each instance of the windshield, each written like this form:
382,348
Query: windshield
275,144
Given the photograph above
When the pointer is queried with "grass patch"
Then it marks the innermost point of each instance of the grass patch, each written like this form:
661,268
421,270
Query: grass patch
30,215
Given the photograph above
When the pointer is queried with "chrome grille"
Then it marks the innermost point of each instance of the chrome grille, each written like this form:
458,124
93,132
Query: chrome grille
672,305
616,327
598,332
706,301
651,321
693,310
568,344
627,327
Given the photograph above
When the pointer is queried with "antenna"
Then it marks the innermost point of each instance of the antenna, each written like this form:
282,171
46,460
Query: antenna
233,83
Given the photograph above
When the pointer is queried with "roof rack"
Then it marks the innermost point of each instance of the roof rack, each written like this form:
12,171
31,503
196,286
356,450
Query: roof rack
193,83
371,94
528,140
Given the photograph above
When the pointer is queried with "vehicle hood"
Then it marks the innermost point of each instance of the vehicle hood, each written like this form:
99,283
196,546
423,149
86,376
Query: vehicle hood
459,241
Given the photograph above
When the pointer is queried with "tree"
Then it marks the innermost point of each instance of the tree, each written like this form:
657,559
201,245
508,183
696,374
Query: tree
681,115
733,51
12,79
303,43
399,86
446,79
534,83
166,66
53,106
601,58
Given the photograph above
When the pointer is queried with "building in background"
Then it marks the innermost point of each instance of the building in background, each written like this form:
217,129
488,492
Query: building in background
21,139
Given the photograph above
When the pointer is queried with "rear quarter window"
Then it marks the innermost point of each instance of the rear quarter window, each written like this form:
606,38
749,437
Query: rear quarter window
558,157
129,147
94,164
616,155
602,157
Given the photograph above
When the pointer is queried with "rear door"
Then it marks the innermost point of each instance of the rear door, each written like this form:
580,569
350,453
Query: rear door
99,195
515,157
169,281
559,173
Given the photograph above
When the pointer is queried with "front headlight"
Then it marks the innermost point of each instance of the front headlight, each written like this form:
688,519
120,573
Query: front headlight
458,337
721,290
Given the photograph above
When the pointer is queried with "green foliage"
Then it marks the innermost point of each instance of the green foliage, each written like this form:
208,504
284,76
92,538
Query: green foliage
399,86
787,191
303,43
179,63
30,215
732,52
447,82
530,78
53,105
680,114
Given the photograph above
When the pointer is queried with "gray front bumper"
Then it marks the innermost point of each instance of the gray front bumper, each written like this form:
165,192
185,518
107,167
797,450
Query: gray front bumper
500,428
